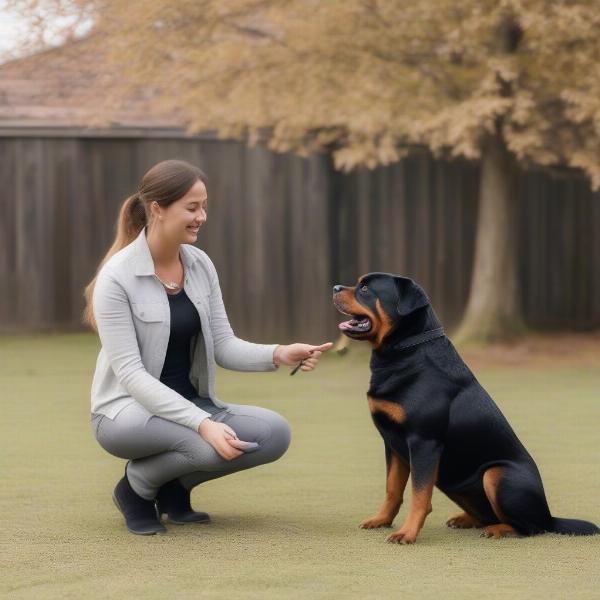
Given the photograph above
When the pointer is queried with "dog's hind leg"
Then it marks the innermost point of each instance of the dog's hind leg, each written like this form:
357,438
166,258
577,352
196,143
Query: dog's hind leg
463,520
471,515
397,476
516,495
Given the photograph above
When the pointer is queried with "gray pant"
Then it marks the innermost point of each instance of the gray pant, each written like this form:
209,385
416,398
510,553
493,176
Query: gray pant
161,450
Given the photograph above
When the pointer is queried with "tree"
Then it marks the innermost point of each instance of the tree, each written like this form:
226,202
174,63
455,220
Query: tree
509,83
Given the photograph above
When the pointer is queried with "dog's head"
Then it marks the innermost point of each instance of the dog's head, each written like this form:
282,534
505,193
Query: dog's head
378,305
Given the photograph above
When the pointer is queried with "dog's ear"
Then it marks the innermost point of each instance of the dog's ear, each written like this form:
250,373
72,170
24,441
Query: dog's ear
410,296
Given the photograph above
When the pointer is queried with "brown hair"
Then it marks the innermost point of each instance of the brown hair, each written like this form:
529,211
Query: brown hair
165,183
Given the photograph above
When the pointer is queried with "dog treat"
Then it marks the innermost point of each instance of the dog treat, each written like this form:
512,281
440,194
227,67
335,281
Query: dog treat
297,367
249,447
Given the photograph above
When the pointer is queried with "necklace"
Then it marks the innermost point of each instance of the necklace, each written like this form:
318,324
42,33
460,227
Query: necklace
170,285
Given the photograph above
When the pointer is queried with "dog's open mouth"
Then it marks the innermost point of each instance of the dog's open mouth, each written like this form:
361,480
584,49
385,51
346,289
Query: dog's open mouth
356,325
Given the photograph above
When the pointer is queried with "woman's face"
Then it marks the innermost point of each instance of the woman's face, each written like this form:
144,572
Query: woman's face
182,219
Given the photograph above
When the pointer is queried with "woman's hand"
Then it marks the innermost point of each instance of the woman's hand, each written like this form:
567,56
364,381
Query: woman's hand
294,353
222,438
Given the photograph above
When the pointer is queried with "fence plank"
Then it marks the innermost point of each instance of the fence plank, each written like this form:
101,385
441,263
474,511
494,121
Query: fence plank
282,229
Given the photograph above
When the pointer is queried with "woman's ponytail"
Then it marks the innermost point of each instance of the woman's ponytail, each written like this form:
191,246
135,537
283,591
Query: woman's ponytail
132,218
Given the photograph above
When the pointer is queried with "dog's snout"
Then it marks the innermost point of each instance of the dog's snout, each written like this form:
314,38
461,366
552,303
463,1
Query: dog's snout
337,288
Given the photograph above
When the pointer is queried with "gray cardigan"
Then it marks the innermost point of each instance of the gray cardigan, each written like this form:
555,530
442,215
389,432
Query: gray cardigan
133,317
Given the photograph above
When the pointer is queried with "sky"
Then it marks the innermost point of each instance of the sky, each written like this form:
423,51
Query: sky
10,30
13,29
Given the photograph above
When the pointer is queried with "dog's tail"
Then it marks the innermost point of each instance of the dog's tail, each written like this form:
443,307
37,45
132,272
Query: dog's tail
573,527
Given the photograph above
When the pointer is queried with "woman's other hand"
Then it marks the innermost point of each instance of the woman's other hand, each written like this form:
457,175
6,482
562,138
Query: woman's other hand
292,354
221,437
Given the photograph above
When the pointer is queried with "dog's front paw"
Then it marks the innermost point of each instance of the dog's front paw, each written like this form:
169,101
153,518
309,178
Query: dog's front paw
376,521
404,535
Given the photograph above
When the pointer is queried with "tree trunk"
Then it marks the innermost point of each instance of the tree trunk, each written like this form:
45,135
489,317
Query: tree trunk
493,310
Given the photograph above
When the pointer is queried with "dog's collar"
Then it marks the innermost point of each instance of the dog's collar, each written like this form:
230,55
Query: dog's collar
421,338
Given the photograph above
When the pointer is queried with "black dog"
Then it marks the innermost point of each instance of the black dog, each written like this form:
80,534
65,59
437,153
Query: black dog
438,423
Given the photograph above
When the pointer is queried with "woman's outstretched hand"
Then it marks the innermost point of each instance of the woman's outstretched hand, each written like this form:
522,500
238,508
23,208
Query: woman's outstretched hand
222,438
292,354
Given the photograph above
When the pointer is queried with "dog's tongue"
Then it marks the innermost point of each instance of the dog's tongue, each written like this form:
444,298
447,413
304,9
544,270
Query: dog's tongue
355,325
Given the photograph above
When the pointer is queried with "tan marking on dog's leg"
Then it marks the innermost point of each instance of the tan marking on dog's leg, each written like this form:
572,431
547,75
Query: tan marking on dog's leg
395,485
420,507
392,409
491,479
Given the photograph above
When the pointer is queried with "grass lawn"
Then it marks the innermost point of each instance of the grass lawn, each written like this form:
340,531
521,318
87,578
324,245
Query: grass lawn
288,529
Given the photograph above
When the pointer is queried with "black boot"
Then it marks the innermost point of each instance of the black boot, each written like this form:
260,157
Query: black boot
174,500
140,514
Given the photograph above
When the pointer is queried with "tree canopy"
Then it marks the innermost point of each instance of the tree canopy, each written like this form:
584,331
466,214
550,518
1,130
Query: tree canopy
370,78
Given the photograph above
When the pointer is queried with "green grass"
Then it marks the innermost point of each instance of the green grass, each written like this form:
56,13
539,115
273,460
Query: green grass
288,529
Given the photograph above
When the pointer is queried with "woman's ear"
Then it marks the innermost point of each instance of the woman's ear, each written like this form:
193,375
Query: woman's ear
410,296
155,210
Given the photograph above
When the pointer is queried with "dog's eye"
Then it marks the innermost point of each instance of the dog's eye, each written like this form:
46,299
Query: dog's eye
364,288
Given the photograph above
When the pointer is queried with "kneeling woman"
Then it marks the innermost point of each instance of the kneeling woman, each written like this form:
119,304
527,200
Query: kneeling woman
156,304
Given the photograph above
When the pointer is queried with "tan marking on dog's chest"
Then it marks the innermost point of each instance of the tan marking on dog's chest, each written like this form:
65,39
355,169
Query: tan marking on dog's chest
393,410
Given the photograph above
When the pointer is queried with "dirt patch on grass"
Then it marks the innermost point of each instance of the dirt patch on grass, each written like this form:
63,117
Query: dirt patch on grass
538,351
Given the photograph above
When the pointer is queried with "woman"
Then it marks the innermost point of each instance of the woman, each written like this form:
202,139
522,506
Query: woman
156,304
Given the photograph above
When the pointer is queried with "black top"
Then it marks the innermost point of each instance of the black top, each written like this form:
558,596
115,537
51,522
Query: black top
185,323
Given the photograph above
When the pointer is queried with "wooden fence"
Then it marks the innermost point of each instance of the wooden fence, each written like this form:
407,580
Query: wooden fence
282,230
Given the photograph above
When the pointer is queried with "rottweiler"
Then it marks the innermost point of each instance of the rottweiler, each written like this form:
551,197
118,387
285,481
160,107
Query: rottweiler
437,422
